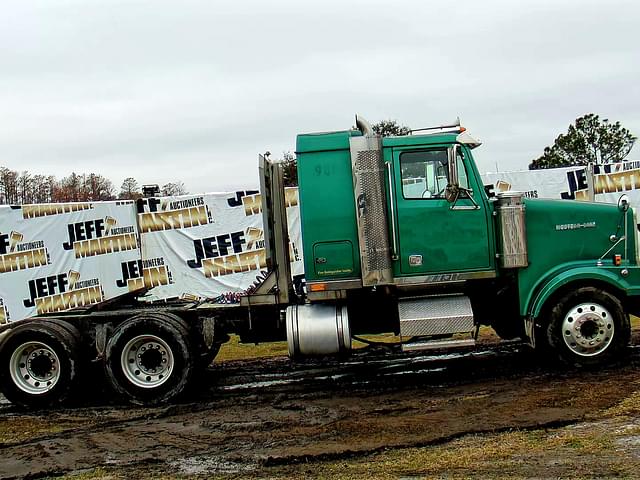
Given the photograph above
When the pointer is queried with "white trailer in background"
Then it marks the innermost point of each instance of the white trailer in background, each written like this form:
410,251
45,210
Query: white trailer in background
600,183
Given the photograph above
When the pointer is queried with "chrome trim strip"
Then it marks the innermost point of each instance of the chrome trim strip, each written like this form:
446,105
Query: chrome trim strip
337,285
466,207
444,278
327,295
392,201
626,235
635,233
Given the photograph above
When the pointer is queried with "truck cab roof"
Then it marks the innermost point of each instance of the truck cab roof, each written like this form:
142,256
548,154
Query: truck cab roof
339,140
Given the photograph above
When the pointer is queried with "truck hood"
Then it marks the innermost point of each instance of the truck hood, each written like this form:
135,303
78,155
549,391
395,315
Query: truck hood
562,234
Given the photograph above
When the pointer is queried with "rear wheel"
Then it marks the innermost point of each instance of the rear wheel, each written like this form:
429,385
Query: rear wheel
149,358
588,327
38,363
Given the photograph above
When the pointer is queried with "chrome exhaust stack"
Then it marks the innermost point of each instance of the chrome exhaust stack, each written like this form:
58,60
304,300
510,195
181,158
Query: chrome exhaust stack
364,127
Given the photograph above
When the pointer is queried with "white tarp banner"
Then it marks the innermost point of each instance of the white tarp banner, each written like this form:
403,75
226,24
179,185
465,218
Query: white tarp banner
612,180
545,183
211,245
609,182
55,257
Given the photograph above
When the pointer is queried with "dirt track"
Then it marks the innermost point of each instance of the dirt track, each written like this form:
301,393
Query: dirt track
255,416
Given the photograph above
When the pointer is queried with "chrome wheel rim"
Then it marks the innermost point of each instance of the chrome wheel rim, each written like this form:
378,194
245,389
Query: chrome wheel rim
147,361
588,329
34,368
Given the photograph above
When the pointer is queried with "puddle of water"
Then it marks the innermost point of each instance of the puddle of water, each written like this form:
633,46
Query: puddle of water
285,379
334,377
203,465
397,366
261,384
417,372
384,365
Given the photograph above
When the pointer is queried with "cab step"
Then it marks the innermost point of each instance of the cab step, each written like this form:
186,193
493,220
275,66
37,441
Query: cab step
434,316
438,344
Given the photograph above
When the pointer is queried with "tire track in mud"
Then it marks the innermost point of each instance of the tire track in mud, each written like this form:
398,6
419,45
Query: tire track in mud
293,460
253,414
278,374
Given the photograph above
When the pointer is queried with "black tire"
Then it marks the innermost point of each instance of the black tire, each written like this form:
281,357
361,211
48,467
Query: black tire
71,329
588,327
149,358
39,363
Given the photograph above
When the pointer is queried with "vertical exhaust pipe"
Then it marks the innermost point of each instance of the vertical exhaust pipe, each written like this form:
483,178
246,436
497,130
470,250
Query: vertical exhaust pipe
364,127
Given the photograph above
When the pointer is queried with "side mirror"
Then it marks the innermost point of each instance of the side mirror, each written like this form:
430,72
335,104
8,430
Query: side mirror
623,202
453,187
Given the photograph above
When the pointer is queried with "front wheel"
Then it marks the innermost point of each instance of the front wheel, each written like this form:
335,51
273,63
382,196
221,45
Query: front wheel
588,326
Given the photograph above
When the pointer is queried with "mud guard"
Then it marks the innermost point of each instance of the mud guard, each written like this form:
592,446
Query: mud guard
608,275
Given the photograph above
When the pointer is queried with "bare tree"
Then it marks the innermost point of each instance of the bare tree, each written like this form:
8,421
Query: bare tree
25,188
173,188
20,188
69,189
98,188
290,169
129,189
41,189
8,186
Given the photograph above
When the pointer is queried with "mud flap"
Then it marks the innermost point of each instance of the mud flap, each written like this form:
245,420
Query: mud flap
529,326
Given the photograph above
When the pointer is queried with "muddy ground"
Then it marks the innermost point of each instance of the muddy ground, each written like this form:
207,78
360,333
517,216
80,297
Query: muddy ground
489,411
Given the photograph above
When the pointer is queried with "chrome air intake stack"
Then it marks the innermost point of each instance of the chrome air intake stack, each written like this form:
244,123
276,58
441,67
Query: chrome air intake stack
512,235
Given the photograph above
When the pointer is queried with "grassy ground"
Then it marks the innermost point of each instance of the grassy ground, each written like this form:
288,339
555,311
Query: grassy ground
598,447
589,450
22,427
234,350
605,445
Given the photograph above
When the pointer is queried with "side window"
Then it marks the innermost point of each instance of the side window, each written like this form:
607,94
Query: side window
425,173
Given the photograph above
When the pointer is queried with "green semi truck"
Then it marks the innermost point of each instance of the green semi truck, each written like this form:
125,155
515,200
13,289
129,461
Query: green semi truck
402,232
399,235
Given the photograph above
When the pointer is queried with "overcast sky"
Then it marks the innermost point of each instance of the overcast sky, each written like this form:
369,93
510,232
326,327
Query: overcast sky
194,90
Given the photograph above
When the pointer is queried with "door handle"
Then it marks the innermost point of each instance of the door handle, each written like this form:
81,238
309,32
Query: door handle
392,202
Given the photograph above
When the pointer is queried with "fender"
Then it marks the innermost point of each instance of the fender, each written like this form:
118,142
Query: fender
5,329
3,335
610,275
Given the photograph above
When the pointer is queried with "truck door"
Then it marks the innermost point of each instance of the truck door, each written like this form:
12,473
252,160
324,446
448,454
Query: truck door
433,235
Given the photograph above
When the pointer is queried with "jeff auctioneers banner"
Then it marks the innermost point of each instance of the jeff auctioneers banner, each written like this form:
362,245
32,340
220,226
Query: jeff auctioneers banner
607,181
208,246
60,256
56,257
